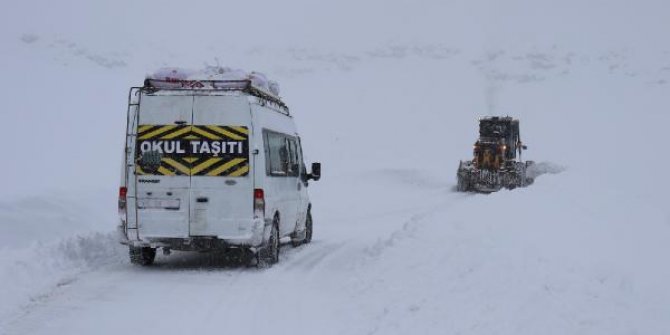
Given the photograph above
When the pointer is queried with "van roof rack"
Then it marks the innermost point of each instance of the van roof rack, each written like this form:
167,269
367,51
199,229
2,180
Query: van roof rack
244,85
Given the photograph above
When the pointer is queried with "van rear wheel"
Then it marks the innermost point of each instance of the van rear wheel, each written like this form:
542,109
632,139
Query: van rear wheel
269,254
308,227
142,256
308,232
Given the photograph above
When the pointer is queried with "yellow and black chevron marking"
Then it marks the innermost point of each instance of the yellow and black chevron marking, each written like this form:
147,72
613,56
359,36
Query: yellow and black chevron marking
197,150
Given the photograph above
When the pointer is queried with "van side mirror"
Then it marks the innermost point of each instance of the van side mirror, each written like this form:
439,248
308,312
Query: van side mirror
316,171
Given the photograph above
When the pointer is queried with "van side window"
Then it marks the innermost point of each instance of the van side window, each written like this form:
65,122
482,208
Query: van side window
294,161
277,159
301,159
283,156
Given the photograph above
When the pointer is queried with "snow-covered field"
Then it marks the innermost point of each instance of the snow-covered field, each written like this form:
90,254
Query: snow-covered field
386,95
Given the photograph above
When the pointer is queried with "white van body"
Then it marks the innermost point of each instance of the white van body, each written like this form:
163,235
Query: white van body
210,165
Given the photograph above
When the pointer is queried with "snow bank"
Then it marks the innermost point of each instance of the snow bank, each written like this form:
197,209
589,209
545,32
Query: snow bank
46,241
216,73
37,271
51,217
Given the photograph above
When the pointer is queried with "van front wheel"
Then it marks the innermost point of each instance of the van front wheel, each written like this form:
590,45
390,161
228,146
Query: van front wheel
142,256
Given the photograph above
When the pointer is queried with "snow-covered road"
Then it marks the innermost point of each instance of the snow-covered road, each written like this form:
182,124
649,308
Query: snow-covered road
448,264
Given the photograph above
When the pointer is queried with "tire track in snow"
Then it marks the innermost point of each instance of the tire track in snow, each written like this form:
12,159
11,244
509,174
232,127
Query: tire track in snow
410,226
308,257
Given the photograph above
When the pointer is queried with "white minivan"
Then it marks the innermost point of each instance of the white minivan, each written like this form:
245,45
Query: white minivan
211,165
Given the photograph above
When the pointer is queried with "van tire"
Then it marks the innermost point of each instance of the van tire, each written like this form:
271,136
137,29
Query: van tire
142,256
308,227
308,231
269,254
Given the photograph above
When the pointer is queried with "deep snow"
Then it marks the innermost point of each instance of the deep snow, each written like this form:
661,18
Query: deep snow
389,111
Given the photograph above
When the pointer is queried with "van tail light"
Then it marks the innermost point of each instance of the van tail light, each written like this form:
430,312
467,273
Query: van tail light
123,192
259,203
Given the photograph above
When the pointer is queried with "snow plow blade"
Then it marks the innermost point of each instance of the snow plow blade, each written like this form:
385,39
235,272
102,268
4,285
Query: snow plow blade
471,179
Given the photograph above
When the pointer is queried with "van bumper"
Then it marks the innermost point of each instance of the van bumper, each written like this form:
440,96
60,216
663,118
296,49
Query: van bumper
122,235
257,236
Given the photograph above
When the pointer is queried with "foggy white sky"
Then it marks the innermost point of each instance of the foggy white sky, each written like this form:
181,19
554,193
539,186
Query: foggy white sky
344,23
64,92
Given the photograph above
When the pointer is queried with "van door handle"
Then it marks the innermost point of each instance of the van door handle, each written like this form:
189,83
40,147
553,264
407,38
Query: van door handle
201,199
299,186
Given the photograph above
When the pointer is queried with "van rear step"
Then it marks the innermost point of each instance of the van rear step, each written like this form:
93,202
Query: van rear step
200,243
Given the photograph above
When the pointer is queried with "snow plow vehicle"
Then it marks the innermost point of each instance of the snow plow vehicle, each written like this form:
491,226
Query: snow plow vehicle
495,164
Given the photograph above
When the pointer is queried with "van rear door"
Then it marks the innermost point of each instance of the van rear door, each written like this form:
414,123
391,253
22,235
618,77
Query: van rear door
221,185
162,173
